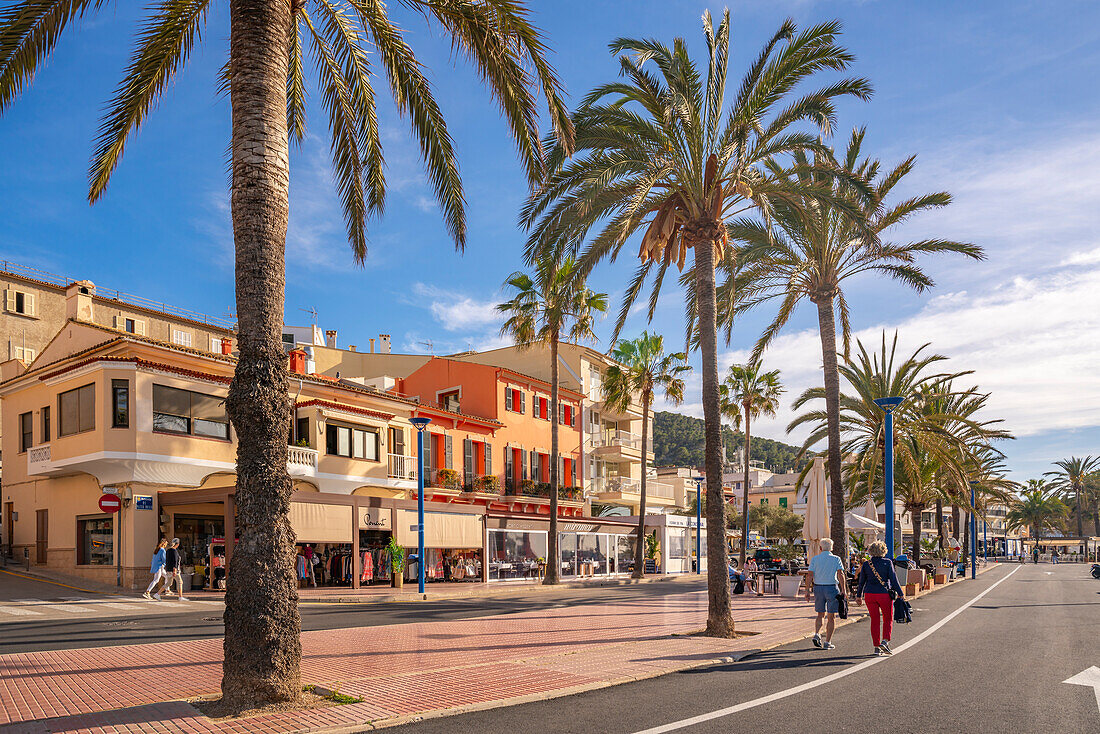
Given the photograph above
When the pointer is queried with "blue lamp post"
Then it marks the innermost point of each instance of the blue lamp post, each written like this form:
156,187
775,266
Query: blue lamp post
699,525
888,406
973,533
421,424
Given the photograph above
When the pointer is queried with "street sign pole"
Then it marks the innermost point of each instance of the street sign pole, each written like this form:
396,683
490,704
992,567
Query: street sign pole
888,405
973,534
421,424
698,525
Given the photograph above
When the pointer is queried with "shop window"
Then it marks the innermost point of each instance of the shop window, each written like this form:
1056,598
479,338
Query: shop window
120,403
514,554
352,443
26,431
95,541
189,413
77,408
45,413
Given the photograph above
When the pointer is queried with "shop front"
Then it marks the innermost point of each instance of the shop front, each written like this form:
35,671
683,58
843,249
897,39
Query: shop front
518,548
341,540
676,537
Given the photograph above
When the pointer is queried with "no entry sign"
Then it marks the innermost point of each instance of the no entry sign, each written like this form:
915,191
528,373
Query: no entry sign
109,503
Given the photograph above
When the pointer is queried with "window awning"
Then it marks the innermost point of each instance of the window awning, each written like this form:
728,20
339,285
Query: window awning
317,523
441,530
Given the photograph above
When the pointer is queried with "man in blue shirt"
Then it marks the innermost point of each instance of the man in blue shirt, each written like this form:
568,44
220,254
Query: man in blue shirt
824,581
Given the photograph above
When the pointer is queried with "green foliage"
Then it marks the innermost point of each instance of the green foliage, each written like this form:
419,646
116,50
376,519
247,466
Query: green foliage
397,556
448,478
487,483
652,545
775,521
678,441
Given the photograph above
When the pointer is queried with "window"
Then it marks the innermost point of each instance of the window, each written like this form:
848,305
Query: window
449,400
515,400
215,345
95,542
23,354
303,430
120,403
353,443
45,413
20,302
763,500
567,415
782,501
130,326
513,554
26,431
183,338
189,413
77,409
288,342
540,407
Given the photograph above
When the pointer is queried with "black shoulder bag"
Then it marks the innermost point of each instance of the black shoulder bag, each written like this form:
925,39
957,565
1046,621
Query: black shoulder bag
893,594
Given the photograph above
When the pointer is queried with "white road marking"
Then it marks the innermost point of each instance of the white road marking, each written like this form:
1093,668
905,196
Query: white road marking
779,695
19,611
71,608
98,603
1088,677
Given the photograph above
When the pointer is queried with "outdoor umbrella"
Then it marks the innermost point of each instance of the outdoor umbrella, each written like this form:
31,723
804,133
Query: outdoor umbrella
816,526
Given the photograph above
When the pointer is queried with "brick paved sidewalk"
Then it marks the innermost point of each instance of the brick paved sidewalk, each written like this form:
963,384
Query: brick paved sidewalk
401,671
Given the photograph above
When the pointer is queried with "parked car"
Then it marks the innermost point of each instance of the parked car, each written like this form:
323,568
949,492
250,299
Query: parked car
766,560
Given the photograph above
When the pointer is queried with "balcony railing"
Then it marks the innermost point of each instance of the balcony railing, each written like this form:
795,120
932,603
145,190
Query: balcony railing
38,459
301,458
628,485
401,467
624,439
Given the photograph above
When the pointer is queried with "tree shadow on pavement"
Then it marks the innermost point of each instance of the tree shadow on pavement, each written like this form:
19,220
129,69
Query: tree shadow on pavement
782,660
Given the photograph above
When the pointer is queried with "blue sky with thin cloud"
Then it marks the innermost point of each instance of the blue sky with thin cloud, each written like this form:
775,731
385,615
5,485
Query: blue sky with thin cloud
997,99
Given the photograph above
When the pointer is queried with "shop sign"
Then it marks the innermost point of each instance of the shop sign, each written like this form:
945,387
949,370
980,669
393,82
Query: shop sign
110,490
375,518
143,501
576,527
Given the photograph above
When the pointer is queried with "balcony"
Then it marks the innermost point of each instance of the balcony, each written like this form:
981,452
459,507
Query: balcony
629,491
301,461
618,446
38,460
401,467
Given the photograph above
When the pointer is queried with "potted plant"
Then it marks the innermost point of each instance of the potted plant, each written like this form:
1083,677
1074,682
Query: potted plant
790,581
397,562
447,478
487,483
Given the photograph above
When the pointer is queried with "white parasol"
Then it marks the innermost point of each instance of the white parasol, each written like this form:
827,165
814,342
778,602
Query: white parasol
816,526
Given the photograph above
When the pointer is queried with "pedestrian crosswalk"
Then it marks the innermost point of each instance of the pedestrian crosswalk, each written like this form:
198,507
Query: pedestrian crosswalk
80,606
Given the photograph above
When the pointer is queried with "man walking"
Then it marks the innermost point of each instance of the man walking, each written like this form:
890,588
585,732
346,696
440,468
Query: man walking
824,581
172,566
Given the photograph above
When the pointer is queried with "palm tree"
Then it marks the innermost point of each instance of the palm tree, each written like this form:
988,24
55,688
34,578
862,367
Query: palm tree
662,152
1038,508
1070,480
641,368
552,303
810,246
730,410
348,42
757,393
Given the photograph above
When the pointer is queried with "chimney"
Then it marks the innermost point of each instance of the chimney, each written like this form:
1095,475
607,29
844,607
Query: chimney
330,338
372,346
78,300
227,346
298,361
384,343
351,347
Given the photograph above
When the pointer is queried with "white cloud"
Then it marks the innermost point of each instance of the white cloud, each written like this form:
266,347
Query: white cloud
457,311
1031,343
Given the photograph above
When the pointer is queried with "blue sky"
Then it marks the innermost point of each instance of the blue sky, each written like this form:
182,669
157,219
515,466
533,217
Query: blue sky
998,100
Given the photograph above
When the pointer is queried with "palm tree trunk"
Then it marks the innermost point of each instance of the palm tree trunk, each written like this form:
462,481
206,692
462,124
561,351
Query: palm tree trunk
966,540
827,331
719,615
955,521
262,645
553,565
639,551
1080,511
745,497
939,524
1096,521
915,514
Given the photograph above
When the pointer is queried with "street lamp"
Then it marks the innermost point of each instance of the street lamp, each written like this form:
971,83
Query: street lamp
888,405
698,524
421,424
973,531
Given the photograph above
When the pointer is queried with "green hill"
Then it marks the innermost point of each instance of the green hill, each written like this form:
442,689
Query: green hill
678,441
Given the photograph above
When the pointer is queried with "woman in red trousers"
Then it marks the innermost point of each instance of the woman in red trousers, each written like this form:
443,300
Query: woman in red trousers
876,580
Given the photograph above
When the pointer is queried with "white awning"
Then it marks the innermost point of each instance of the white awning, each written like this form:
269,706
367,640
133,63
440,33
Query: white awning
441,530
317,523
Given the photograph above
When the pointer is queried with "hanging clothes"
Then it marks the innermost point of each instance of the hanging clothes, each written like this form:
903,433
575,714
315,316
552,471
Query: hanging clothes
302,574
368,568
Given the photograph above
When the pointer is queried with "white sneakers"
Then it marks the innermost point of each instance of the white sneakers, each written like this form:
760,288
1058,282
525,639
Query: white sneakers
147,595
817,640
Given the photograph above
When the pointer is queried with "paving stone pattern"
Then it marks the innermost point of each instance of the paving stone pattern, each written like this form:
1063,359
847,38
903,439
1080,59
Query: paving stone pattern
400,671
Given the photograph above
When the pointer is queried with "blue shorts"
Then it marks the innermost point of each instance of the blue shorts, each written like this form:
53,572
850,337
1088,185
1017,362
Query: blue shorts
825,598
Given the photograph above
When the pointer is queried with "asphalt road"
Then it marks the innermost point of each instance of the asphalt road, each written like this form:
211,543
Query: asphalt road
998,666
102,625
